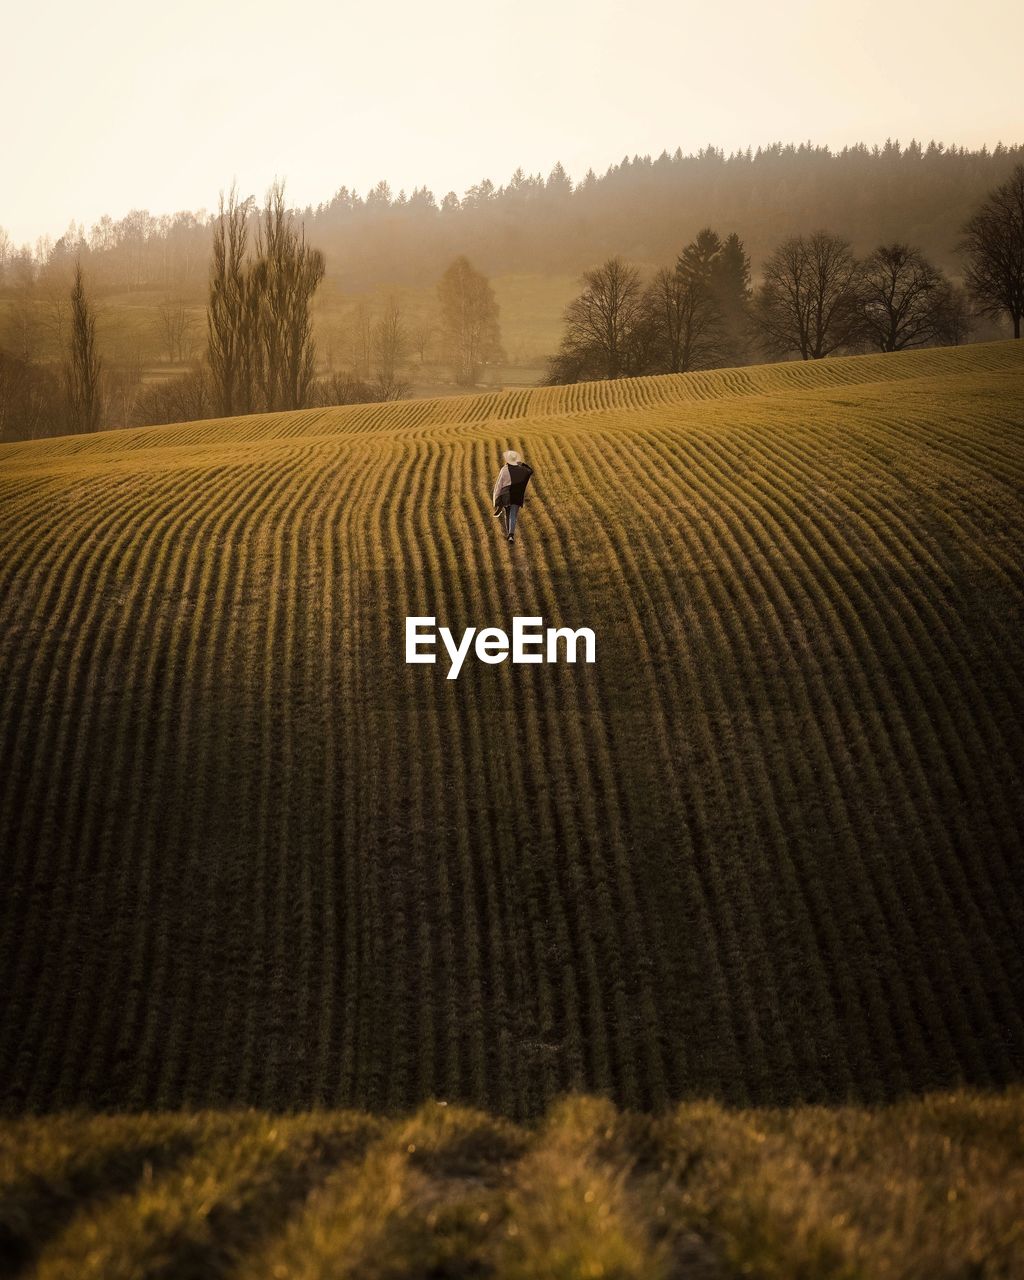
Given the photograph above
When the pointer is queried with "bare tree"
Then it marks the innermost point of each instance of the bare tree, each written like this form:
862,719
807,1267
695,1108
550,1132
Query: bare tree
122,389
23,316
901,298
175,324
82,368
688,321
601,324
57,311
362,340
261,350
184,398
226,310
993,242
390,344
807,304
286,275
32,402
422,338
469,320
955,319
643,348
342,388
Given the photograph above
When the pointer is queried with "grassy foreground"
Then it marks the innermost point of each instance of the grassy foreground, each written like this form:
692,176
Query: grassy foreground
767,849
931,1188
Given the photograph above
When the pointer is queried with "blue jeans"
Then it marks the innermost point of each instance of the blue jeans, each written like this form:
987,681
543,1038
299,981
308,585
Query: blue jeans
511,512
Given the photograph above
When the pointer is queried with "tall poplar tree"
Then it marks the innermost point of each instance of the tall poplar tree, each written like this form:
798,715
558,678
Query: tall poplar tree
82,367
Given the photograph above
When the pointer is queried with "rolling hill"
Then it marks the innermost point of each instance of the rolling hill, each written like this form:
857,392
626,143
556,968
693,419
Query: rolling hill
766,849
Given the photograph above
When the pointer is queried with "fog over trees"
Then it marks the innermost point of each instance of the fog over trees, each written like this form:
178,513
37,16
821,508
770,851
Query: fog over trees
641,208
469,320
717,256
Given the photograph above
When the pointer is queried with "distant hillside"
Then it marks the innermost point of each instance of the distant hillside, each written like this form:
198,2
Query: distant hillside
531,235
643,207
766,849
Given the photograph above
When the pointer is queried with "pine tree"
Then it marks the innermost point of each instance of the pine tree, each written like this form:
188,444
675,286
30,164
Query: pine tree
730,283
697,259
699,314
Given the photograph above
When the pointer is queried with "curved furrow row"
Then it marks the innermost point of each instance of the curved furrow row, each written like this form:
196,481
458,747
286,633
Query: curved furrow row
622,946
492,738
711,614
383,899
413,811
547,847
903,535
215,646
452,567
660,629
272,925
167,874
114,1041
92,627
889,533
935,661
640,944
839,731
860,611
229,811
116,904
361,789
206,857
955,449
38,682
294,926
34,553
713,507
745,723
328,686
847,712
656,612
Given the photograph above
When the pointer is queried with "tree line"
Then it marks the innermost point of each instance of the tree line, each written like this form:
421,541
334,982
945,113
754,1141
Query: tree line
643,206
815,299
260,353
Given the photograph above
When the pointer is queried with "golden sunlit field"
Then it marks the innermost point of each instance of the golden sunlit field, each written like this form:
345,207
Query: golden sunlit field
765,851
924,1188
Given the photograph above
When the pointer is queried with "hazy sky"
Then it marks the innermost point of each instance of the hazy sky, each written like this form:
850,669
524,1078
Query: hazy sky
122,104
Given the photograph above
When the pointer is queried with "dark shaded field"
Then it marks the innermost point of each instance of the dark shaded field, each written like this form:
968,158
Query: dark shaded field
766,850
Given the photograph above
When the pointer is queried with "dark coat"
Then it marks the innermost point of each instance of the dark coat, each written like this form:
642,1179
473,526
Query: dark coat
510,489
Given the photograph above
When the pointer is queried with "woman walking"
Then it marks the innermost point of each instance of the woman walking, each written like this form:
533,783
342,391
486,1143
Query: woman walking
510,491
